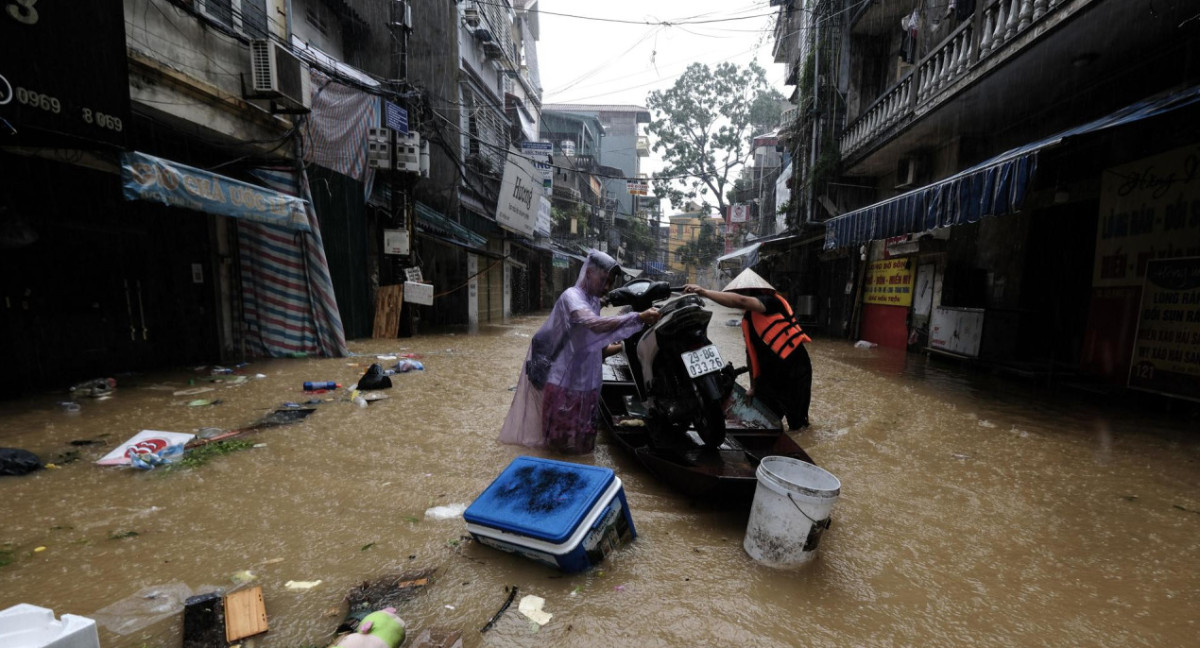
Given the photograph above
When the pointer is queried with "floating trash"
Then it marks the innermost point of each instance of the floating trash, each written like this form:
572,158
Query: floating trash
531,606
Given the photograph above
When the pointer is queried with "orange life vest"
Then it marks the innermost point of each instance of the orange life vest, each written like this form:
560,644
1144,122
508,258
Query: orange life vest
779,332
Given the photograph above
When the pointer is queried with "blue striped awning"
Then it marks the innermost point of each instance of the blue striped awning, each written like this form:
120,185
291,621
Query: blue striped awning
991,188
656,267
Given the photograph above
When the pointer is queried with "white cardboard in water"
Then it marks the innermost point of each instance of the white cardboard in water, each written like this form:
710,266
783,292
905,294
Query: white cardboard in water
418,293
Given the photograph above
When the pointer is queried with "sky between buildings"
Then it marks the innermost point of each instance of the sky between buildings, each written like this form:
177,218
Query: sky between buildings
588,55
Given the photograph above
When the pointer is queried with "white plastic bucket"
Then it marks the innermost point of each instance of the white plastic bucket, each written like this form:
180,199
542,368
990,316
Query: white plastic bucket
792,503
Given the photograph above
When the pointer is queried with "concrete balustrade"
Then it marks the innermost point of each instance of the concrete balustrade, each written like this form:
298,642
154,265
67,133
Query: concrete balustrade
971,45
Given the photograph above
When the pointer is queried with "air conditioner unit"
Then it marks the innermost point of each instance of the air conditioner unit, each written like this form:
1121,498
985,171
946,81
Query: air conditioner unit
906,172
279,75
471,17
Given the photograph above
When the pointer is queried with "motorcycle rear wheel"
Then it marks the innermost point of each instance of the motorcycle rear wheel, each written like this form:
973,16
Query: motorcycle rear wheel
710,423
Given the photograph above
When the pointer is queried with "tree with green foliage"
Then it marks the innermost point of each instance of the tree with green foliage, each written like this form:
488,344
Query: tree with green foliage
703,251
702,127
562,218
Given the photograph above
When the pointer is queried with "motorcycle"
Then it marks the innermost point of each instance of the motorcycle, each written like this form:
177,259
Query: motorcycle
679,374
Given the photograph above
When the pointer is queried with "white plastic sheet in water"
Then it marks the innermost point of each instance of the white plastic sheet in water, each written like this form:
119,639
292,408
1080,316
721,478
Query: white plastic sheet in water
145,442
447,512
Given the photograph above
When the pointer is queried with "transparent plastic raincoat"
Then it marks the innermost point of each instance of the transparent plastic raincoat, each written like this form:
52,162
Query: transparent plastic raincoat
559,386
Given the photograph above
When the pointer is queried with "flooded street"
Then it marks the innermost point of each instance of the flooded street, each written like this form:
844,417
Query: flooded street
974,511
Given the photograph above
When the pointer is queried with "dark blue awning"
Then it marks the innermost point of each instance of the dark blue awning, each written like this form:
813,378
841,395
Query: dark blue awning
991,188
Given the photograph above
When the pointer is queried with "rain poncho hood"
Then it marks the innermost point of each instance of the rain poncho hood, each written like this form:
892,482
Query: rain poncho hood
573,339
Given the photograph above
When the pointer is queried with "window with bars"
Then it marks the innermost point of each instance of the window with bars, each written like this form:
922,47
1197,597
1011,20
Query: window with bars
487,130
246,16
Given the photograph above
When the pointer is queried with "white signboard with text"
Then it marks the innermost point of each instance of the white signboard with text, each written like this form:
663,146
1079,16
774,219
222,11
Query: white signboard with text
516,209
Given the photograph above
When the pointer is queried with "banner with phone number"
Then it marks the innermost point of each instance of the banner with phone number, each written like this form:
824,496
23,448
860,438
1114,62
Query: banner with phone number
1166,353
63,72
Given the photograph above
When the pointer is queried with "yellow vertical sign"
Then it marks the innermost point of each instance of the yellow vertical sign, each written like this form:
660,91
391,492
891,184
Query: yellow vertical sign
889,282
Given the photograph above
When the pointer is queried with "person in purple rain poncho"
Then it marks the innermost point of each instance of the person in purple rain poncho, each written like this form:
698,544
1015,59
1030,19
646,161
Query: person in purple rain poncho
559,387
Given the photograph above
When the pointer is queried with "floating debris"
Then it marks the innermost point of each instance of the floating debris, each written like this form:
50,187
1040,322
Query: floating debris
531,607
512,593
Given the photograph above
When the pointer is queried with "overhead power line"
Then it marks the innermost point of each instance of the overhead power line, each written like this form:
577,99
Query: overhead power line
664,23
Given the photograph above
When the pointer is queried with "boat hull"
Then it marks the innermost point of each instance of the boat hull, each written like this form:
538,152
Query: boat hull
680,460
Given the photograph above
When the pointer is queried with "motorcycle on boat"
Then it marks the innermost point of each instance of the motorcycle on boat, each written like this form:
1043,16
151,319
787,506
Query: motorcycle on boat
679,374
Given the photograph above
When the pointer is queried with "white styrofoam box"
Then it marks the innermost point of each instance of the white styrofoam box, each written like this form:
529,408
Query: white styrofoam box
29,626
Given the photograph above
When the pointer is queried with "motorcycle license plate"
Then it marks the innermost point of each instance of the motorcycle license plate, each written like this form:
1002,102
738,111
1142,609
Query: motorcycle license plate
704,360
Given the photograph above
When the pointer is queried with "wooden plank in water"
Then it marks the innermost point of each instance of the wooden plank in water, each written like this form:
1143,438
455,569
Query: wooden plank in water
388,301
245,614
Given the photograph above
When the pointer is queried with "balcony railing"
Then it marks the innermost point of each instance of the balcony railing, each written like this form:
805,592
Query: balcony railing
972,43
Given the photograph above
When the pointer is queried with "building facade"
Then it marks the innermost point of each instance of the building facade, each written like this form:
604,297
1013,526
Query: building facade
999,180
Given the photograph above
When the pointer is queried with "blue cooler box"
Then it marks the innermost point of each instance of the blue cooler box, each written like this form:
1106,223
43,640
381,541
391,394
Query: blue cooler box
562,514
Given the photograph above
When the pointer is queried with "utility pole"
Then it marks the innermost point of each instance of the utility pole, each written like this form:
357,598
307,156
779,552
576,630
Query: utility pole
400,203
816,113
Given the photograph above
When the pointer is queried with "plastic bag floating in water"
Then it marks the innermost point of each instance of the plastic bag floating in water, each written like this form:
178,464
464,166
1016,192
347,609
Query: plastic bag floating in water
408,364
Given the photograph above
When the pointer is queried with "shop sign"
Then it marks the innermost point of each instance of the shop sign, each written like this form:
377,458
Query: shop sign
544,217
1166,351
146,177
637,188
516,210
1149,209
63,71
889,282
395,117
539,155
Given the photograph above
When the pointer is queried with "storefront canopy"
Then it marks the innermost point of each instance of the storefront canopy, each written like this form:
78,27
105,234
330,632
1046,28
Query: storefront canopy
146,177
432,223
745,257
992,188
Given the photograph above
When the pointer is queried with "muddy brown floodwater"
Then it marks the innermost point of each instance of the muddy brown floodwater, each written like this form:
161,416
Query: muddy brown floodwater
973,512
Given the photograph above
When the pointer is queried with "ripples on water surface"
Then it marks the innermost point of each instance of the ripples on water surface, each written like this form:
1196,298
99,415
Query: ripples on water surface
974,511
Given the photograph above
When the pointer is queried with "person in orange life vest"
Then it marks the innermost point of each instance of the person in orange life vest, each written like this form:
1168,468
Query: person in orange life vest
780,369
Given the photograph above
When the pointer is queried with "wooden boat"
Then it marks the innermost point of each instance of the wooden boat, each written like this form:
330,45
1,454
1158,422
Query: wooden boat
726,473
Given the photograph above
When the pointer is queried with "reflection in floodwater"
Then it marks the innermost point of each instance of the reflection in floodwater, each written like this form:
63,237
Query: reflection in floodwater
974,510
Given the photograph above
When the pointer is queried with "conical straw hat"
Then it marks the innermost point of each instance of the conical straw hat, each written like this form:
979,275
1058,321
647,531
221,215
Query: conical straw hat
748,280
